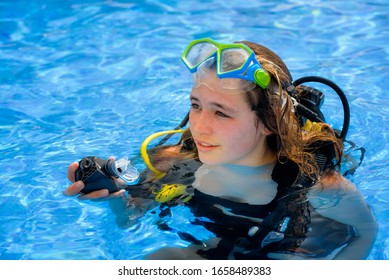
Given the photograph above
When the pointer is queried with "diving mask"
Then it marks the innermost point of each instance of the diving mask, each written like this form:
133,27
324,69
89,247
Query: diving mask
230,62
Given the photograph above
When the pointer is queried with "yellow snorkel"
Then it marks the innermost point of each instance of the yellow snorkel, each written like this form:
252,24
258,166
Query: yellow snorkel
143,150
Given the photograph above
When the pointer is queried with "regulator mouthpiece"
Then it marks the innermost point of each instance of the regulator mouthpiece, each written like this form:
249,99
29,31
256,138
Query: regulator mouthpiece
124,170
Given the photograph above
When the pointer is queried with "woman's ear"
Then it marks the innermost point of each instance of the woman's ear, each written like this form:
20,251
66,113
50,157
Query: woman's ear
266,131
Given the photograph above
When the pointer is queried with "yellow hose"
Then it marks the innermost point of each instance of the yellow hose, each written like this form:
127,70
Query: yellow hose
143,151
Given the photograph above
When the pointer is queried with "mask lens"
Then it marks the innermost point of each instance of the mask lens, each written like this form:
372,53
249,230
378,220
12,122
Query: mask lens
233,59
206,75
199,52
205,69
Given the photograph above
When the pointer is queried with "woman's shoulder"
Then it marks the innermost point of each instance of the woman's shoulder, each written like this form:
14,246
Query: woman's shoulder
334,190
334,181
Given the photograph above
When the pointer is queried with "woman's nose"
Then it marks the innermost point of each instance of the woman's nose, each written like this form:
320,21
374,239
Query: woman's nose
200,122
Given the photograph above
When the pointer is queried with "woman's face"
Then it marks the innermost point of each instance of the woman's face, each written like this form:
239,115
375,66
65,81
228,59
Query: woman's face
225,129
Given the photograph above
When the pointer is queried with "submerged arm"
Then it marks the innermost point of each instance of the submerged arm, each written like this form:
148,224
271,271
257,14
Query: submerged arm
340,200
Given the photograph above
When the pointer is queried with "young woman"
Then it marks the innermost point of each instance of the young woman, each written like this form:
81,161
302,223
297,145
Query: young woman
266,185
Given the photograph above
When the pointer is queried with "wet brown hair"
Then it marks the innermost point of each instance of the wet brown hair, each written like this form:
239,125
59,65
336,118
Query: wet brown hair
274,108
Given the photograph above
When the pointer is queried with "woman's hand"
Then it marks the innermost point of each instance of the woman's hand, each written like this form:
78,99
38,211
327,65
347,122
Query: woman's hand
76,187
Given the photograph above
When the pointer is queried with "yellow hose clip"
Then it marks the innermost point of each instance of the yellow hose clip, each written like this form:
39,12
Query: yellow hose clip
312,127
169,192
143,151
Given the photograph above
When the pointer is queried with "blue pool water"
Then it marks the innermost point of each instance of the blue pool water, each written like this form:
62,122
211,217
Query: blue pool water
88,77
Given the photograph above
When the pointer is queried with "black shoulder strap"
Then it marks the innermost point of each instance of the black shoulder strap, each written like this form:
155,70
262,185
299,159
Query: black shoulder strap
285,173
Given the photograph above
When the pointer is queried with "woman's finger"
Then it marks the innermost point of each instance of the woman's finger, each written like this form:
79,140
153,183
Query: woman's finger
74,188
95,195
117,194
72,170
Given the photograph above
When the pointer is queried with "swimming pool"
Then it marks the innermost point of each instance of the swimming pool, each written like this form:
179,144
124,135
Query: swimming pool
85,77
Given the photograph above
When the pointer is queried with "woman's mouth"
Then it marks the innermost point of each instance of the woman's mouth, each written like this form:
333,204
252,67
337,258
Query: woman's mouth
205,146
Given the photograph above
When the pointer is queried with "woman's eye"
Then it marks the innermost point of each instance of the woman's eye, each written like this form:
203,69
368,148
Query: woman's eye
221,114
195,106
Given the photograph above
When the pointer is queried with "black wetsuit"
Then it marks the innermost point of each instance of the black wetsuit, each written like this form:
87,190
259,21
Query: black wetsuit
286,224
